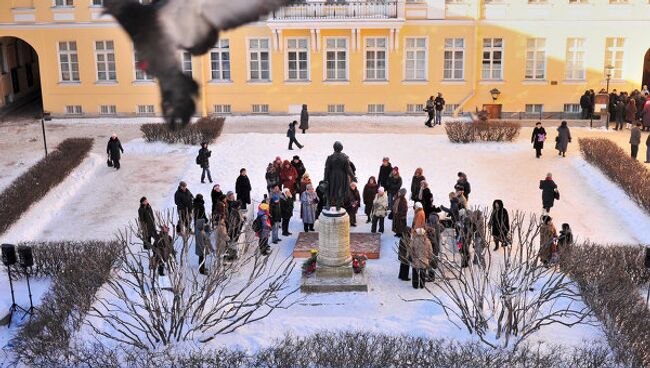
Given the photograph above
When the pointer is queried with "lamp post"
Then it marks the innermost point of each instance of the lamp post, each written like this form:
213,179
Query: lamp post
45,117
608,77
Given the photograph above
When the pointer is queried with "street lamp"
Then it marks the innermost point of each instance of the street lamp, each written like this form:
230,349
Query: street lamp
608,77
495,94
45,117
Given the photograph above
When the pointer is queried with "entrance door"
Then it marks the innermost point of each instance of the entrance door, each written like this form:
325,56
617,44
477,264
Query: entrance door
493,110
14,80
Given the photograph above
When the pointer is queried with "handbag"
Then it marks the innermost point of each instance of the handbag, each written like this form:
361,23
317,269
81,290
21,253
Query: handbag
109,162
556,195
390,215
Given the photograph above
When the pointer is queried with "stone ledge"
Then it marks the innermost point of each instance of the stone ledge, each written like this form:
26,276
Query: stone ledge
366,243
316,284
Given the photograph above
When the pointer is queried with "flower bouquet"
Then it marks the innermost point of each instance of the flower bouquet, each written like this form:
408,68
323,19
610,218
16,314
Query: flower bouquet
309,266
359,262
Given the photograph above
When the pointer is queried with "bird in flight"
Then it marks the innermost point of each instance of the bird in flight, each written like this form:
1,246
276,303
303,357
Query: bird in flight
161,29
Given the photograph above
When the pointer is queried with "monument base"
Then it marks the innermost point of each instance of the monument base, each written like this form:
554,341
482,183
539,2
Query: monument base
320,283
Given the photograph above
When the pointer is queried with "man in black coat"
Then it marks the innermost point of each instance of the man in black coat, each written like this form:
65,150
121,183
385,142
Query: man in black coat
147,223
300,168
337,175
439,104
585,105
613,102
352,203
183,200
243,188
291,134
114,150
549,192
203,160
384,172
462,181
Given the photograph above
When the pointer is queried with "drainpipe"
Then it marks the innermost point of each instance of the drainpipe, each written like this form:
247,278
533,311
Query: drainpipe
477,52
204,84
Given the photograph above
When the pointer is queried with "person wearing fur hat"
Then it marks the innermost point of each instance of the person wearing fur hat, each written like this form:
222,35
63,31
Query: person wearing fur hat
369,193
549,192
298,165
286,209
499,224
288,176
393,185
421,254
304,182
416,184
399,212
276,218
114,150
379,211
547,240
147,223
264,232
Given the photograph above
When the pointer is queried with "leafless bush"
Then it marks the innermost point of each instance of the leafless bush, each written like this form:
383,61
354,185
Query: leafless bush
629,174
482,131
204,130
33,185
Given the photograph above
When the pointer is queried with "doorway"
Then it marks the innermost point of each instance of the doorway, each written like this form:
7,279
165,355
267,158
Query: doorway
493,110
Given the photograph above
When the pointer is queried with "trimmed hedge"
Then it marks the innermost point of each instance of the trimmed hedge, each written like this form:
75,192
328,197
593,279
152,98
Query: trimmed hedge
613,161
33,185
204,130
482,131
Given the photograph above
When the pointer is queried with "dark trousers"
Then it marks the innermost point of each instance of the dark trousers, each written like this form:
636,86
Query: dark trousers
263,244
619,124
304,131
403,271
538,152
116,164
368,210
584,114
418,278
431,115
635,150
375,220
285,226
352,213
148,240
184,220
206,170
293,140
308,227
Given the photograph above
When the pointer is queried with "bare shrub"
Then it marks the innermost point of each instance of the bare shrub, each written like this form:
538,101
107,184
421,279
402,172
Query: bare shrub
33,185
204,130
628,173
482,131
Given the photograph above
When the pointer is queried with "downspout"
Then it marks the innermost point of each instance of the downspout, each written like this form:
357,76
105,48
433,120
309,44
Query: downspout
472,93
204,93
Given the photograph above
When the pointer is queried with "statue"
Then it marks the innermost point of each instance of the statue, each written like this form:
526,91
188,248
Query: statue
337,176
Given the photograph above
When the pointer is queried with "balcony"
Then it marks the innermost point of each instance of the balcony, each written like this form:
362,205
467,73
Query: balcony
329,10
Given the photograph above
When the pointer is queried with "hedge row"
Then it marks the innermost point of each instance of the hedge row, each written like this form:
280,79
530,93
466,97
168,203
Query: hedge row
609,280
33,185
629,174
482,131
204,130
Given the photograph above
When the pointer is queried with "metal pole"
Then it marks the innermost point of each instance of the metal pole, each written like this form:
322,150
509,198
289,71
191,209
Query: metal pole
608,103
44,139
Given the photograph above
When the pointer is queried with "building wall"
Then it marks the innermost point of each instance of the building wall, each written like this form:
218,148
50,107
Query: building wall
43,26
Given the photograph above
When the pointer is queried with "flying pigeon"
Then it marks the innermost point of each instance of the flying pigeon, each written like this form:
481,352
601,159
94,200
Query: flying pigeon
161,29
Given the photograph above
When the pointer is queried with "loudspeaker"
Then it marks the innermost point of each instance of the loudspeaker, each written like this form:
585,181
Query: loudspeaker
8,254
25,256
647,257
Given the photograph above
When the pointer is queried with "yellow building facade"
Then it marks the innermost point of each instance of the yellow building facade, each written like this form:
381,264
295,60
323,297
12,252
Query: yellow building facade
347,57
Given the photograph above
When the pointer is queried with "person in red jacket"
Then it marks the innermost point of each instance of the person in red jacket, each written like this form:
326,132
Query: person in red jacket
288,176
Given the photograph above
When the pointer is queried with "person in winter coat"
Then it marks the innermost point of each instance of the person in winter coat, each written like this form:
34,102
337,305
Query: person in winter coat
163,250
499,224
379,211
621,104
430,110
320,195
265,229
547,240
369,193
647,148
147,223
299,166
549,192
272,177
384,172
477,221
218,207
393,185
460,194
439,104
202,244
403,255
454,207
399,212
222,240
304,182
276,218
183,199
114,150
286,210
426,198
635,140
309,202
243,188
645,115
203,160
563,139
612,105
304,119
538,138
418,177
565,239
291,134
352,203
434,232
234,227
419,219
585,104
630,111
198,209
462,181
421,252
289,176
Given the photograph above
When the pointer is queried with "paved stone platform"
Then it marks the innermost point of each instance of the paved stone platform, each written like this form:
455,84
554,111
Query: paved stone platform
315,283
366,243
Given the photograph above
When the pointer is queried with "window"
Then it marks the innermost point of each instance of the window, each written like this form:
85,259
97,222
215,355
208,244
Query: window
614,56
146,110
618,1
572,108
375,109
186,62
105,54
416,59
73,110
492,59
578,1
415,108
98,2
537,1
454,54
376,58
575,59
140,74
259,63
297,59
534,108
261,109
222,109
68,61
63,3
336,55
336,109
107,110
220,61
450,108
535,59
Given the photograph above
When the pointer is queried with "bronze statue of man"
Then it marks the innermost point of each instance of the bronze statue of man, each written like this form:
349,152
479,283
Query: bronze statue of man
337,175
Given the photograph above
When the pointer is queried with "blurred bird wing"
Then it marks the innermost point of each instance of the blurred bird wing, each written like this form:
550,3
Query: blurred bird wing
228,14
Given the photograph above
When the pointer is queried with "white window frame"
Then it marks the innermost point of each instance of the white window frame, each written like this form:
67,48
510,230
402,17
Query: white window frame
63,3
140,76
415,108
611,53
492,49
222,109
572,108
222,47
259,50
575,67
533,108
336,69
186,65
105,52
450,108
297,50
336,109
535,59
453,49
260,109
69,54
73,110
416,49
375,49
376,108
110,110
97,3
146,109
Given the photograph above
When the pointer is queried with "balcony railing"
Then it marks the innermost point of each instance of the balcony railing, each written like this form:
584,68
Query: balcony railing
337,10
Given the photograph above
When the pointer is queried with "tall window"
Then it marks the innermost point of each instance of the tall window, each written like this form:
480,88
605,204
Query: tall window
615,47
492,59
535,59
105,53
454,55
376,58
140,74
259,53
220,60
575,59
416,59
336,55
297,59
63,3
98,2
68,61
186,61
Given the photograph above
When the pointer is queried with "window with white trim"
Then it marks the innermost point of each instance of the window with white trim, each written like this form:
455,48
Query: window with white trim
105,56
73,110
450,108
575,59
336,58
107,110
414,108
376,51
578,1
259,59
98,2
535,59
572,108
618,1
492,64
63,2
415,56
260,109
454,59
336,109
222,109
614,50
140,74
537,1
375,108
146,110
220,60
534,108
68,61
186,62
298,59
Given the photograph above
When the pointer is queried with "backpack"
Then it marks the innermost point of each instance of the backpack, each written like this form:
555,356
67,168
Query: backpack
288,133
198,159
257,224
